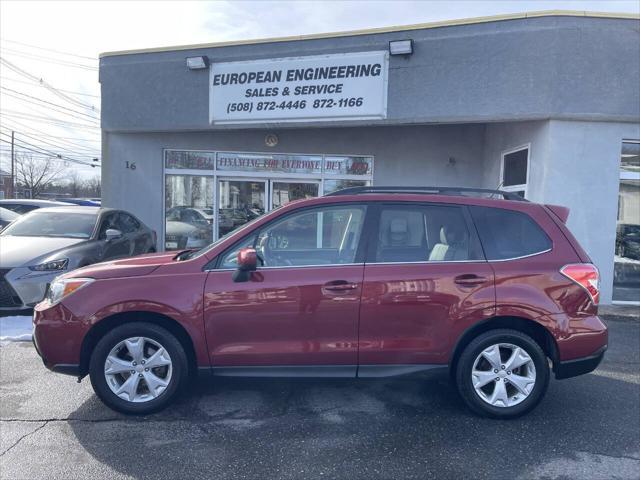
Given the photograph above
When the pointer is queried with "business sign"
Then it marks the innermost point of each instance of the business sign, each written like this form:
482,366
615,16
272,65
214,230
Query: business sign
293,163
350,86
250,162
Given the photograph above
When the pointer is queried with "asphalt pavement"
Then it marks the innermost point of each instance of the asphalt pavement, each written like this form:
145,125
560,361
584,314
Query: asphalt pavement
410,427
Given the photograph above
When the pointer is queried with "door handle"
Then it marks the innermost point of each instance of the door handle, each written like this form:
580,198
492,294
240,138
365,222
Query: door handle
339,286
469,280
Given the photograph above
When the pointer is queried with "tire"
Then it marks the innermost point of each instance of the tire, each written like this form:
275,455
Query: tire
169,376
490,400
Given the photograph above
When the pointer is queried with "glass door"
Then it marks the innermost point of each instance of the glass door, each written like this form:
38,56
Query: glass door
240,201
626,273
188,211
285,191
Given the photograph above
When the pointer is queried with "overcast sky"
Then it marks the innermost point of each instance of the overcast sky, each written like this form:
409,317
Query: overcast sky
69,126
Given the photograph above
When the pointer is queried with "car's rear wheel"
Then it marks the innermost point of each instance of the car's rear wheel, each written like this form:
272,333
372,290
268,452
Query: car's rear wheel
502,374
138,368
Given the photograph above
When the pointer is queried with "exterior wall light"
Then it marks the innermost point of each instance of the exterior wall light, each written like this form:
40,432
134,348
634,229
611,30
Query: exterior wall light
197,63
401,47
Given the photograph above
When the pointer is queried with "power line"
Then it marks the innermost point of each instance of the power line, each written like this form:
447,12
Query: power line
46,150
41,150
46,119
41,58
88,151
46,85
70,156
15,92
48,49
94,151
40,132
61,89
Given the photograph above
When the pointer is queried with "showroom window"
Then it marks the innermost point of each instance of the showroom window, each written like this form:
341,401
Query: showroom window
189,198
515,171
210,194
626,277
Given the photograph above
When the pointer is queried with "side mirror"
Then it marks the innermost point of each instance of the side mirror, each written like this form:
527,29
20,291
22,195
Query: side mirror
247,263
112,234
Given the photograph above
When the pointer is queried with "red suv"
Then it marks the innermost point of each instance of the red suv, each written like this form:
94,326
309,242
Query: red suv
365,282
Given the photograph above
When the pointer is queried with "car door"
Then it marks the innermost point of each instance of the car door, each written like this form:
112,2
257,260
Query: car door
300,308
116,248
138,237
425,279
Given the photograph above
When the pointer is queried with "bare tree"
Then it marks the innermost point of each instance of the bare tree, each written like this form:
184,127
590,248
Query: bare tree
92,187
36,174
74,184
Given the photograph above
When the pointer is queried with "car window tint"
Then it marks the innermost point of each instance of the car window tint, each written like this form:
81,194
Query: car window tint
126,223
508,234
52,224
19,209
420,233
109,221
230,257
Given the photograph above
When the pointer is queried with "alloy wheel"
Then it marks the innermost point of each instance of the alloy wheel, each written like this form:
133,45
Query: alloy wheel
138,369
503,375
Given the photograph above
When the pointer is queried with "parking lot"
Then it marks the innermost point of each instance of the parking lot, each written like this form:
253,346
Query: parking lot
412,427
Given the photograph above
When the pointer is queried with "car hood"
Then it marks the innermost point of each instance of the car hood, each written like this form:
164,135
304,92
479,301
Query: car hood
128,267
180,228
19,251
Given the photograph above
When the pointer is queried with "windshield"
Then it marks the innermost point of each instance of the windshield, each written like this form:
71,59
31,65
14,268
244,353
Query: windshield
52,224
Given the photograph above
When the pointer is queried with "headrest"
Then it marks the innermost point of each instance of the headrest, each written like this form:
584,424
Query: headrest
398,225
450,234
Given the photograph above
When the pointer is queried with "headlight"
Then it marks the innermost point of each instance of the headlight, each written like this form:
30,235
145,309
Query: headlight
51,266
63,287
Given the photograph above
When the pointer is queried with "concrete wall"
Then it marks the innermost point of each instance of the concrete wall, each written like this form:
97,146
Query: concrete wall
575,164
522,69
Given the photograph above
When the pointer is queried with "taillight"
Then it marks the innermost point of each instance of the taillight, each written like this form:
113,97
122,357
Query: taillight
587,276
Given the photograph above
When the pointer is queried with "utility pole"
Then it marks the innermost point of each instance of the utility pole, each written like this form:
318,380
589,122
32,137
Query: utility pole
13,168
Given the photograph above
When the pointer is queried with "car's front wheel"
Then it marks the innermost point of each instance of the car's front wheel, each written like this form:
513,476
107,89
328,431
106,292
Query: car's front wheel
502,374
138,368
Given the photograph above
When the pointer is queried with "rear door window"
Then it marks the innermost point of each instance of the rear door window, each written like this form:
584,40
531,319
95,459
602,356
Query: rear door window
507,234
424,233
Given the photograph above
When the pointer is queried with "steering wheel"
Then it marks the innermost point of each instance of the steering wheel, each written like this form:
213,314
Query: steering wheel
269,257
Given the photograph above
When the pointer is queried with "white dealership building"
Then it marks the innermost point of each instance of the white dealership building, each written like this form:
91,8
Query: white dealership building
199,139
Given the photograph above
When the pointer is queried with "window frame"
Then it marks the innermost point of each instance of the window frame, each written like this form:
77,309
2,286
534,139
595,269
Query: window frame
359,258
622,175
521,186
374,228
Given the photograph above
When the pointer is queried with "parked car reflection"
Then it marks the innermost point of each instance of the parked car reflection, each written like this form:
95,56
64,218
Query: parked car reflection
188,227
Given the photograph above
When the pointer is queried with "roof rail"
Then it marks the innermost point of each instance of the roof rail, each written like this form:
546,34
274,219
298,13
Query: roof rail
427,190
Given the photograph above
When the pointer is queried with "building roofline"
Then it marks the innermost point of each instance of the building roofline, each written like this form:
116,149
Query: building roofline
369,31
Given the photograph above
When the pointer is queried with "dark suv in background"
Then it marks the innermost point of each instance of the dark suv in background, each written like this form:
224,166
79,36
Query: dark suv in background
365,282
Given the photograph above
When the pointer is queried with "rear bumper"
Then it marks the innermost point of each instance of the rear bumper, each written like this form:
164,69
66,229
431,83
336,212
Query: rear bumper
578,366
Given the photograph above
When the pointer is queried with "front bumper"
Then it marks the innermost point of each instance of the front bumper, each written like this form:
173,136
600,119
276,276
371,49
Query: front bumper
21,288
57,337
578,366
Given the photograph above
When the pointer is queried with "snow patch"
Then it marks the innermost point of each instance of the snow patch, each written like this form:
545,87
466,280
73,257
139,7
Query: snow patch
15,329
